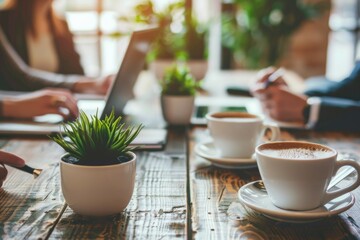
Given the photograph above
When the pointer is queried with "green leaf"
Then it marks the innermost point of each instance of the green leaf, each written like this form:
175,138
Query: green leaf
93,139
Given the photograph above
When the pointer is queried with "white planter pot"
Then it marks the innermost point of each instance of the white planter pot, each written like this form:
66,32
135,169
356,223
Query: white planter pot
177,110
98,190
198,68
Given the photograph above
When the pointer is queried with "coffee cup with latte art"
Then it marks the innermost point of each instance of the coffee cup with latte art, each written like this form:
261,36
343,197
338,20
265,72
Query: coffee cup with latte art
297,174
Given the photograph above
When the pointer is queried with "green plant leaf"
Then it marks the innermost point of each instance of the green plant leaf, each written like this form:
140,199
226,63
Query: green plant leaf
178,81
93,139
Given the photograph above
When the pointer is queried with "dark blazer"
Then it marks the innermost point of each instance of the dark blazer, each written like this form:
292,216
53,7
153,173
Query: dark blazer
15,73
69,60
340,104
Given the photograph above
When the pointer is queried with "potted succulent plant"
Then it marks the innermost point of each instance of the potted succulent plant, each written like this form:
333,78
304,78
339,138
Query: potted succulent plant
178,95
98,170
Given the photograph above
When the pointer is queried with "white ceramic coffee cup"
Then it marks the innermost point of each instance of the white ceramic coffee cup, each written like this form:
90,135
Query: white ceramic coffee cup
236,134
300,183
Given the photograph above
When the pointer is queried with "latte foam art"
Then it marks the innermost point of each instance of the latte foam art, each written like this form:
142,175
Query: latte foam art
298,153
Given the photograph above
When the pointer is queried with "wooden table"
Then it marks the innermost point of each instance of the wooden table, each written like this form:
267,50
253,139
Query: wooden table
178,195
216,212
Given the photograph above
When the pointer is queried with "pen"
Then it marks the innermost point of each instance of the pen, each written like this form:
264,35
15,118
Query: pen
34,171
273,77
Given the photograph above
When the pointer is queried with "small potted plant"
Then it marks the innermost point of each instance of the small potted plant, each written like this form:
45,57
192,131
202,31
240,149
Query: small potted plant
178,95
98,170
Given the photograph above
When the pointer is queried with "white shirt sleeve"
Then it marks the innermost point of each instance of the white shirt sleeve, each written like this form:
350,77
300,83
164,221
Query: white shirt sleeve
314,111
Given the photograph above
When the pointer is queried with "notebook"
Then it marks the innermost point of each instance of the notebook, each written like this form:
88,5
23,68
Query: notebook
120,93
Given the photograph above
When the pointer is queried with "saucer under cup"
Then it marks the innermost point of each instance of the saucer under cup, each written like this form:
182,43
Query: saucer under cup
208,151
236,134
258,200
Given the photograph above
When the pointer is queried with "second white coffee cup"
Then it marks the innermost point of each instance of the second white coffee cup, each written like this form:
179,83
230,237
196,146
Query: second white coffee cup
236,134
297,174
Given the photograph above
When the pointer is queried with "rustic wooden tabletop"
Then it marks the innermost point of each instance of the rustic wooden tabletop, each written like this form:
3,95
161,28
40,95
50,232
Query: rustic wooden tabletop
217,213
177,195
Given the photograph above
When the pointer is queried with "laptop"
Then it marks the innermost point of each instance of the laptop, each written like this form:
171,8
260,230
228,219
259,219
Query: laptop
119,95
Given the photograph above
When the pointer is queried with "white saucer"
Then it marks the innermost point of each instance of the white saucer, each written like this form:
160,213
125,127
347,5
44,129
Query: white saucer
209,152
259,201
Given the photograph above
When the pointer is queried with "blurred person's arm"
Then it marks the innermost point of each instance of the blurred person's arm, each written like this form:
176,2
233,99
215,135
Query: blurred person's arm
16,75
24,78
333,114
47,101
336,111
348,88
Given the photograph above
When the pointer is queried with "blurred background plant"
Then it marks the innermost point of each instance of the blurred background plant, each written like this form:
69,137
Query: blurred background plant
178,81
182,36
258,32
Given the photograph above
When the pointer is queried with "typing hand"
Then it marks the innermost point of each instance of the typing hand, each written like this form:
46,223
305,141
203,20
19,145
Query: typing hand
94,86
41,102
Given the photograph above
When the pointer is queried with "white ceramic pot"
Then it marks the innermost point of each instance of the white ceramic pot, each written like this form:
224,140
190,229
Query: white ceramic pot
177,110
98,190
198,68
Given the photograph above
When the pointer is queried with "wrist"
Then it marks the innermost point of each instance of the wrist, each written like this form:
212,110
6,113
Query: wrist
8,107
83,85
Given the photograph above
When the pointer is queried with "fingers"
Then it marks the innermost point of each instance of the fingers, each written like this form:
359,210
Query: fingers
269,99
62,92
265,94
63,103
11,159
281,104
264,74
261,79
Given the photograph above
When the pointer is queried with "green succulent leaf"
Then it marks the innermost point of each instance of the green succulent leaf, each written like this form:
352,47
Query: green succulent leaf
95,141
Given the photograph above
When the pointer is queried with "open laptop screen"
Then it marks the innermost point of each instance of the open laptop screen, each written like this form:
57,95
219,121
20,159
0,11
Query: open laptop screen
131,66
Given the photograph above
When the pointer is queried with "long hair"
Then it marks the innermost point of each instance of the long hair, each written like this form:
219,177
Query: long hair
25,11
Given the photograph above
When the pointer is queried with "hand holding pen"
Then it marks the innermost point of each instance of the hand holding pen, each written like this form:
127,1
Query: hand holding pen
274,78
16,162
276,98
265,78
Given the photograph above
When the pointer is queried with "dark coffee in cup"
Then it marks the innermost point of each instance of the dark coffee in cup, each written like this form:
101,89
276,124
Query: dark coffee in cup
233,115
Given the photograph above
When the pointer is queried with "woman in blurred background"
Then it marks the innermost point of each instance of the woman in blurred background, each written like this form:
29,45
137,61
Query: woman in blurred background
40,37
42,42
35,44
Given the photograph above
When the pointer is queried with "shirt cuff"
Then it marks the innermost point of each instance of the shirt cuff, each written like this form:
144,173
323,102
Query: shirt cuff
1,108
314,104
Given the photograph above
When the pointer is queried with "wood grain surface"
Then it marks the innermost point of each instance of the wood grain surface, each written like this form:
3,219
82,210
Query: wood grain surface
178,195
218,214
35,209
